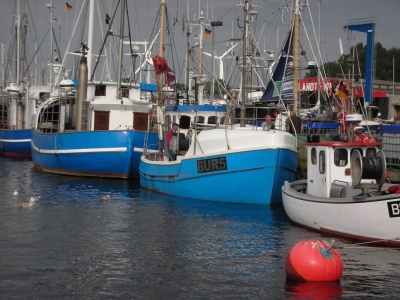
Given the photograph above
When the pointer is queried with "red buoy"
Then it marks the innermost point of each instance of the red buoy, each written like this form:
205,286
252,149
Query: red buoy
313,260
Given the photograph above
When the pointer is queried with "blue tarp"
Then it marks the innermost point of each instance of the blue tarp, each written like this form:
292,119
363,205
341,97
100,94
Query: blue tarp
148,87
390,128
321,125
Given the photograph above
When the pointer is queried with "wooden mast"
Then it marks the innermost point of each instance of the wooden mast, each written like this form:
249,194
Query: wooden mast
159,77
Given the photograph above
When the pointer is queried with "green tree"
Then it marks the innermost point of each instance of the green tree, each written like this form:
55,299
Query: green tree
383,63
217,87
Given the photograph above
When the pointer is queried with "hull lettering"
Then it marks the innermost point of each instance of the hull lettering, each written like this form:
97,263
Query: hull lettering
212,164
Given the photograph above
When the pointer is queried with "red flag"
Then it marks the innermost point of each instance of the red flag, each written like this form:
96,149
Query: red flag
160,65
169,78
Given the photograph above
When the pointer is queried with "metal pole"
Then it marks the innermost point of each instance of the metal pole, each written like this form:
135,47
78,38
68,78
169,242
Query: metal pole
244,66
187,64
319,60
27,107
51,47
90,36
200,91
296,59
18,45
121,37
212,66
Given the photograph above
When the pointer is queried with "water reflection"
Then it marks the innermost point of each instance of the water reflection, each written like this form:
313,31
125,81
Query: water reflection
142,245
313,290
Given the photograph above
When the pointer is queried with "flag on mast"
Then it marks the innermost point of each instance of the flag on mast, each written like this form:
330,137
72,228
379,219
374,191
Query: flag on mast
67,6
207,32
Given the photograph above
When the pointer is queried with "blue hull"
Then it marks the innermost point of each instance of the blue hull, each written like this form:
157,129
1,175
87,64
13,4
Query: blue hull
113,154
16,143
250,177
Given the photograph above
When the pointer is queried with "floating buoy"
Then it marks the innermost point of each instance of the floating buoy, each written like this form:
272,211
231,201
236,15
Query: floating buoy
313,260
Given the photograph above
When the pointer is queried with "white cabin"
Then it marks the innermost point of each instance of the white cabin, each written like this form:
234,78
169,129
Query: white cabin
329,166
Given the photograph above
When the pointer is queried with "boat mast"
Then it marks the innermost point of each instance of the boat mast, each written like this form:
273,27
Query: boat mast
159,77
296,57
160,54
244,66
90,36
121,37
18,45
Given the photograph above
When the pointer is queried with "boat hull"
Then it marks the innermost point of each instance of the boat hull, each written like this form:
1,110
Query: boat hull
374,219
254,176
16,143
112,154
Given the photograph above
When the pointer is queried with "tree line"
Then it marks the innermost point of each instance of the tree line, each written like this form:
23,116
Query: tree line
383,64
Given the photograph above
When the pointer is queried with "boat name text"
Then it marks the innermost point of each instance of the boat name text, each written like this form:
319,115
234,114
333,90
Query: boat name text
394,209
211,165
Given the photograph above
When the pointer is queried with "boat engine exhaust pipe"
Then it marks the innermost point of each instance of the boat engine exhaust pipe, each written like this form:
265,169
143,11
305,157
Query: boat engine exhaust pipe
82,91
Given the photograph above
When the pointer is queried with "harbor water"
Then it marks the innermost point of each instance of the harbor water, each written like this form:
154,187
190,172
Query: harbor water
142,245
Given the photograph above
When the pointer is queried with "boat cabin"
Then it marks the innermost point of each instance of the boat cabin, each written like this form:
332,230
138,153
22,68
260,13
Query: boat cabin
191,116
330,166
101,110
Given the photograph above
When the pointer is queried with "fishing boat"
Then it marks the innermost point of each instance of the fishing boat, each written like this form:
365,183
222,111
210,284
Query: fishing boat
97,128
227,162
227,165
19,97
345,193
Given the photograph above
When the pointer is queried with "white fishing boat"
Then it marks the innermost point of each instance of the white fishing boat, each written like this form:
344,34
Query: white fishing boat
345,193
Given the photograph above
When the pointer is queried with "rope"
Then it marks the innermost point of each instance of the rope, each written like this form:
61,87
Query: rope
371,242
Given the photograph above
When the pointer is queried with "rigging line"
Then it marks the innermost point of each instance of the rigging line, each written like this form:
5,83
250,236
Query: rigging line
33,57
130,41
318,46
227,12
138,27
173,46
104,41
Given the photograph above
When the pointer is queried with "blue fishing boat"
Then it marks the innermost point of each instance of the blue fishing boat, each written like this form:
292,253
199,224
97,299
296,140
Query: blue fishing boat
95,128
228,165
224,161
20,96
15,143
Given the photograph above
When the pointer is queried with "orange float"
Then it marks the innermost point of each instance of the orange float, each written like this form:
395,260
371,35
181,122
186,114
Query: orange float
313,260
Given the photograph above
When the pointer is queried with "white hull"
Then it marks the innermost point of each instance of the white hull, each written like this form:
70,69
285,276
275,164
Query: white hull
374,219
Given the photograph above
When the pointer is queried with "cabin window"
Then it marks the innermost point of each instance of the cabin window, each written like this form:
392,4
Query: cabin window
200,120
370,152
212,120
313,156
359,149
125,93
322,162
43,95
222,120
3,115
100,90
340,157
184,122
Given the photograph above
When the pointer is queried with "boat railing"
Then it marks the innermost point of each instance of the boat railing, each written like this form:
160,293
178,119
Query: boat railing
155,155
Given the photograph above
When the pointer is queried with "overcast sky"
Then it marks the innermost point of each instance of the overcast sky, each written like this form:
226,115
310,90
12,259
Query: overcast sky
142,15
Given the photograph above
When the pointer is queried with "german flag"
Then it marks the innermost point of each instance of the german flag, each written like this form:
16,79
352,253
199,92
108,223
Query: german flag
67,6
207,32
342,91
